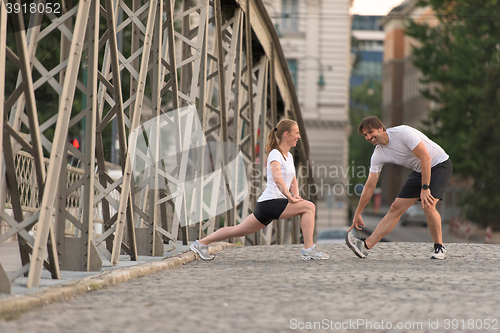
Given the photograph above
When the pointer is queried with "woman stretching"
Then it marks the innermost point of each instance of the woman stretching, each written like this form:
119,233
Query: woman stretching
276,202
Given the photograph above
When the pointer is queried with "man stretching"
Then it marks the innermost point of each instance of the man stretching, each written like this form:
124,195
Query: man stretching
408,147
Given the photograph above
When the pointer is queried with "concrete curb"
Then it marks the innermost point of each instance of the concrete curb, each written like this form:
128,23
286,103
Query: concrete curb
21,303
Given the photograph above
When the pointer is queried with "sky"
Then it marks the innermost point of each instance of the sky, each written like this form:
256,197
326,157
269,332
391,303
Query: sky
374,7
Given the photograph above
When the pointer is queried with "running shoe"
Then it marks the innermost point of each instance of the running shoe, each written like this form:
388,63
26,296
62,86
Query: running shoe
356,245
438,253
201,250
313,253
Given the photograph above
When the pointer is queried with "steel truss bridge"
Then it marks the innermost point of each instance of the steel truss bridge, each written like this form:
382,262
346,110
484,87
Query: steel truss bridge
221,57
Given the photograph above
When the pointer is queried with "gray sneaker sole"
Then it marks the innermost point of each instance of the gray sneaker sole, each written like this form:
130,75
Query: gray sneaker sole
307,257
353,248
195,250
433,257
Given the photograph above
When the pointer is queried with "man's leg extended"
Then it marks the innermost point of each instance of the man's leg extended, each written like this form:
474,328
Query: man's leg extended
398,207
434,222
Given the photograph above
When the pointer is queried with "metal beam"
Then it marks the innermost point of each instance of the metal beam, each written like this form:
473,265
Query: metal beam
125,202
56,156
3,54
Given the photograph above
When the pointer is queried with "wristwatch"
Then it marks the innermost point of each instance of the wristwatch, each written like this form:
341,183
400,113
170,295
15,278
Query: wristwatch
425,187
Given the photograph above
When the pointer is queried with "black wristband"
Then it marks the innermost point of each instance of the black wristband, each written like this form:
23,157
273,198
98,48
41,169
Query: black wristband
425,187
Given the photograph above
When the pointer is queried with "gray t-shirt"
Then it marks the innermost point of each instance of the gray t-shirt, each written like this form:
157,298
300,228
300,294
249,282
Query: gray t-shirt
402,140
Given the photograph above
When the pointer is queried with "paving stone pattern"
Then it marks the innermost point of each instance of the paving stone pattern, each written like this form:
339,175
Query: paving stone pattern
270,289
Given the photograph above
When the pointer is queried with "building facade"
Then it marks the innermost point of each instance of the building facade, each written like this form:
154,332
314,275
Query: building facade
316,39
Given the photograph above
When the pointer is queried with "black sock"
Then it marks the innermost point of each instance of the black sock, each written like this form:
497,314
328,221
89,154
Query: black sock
437,246
364,241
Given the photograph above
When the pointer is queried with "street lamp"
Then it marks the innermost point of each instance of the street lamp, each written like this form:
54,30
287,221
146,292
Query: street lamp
321,79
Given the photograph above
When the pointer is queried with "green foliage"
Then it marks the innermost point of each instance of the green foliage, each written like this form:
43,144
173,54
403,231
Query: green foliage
455,57
366,101
94,286
483,201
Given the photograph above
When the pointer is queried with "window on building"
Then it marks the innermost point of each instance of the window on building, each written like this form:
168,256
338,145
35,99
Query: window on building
290,15
366,22
292,65
368,69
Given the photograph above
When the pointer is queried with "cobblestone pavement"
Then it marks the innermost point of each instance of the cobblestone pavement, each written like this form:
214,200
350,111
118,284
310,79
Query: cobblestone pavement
270,289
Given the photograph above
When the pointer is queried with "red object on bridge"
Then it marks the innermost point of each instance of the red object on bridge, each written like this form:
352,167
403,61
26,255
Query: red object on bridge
489,233
75,143
468,228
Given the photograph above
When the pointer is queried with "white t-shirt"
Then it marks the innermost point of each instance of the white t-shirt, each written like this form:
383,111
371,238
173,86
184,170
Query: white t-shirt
287,173
402,140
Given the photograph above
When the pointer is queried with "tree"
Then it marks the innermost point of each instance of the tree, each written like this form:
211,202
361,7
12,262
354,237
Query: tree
483,201
455,57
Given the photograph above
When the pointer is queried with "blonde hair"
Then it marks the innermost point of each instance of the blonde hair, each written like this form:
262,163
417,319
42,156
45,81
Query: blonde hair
274,137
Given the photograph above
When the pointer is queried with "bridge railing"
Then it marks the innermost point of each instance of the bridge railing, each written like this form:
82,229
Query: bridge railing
28,189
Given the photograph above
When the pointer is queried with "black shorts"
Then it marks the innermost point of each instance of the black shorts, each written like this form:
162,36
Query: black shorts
269,210
440,176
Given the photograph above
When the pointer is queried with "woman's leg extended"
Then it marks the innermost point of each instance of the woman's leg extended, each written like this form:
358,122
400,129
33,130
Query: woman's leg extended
307,210
247,227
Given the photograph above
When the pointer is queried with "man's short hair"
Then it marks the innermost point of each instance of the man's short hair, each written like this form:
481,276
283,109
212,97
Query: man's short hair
370,122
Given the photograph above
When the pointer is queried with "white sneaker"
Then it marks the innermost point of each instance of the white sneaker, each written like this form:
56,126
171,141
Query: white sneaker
313,253
438,253
201,250
356,245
